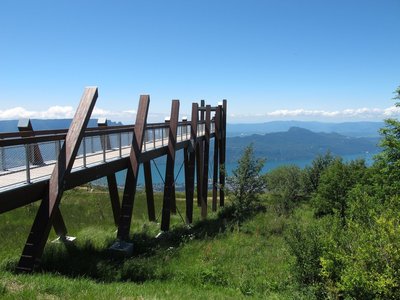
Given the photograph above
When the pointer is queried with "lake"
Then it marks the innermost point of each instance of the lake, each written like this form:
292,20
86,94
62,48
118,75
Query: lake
160,164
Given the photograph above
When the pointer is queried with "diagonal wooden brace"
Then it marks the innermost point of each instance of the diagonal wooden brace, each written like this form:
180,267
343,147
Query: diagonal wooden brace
132,173
50,204
169,172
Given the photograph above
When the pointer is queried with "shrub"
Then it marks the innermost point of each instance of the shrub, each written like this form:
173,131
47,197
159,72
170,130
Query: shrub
246,184
283,184
335,183
306,246
312,174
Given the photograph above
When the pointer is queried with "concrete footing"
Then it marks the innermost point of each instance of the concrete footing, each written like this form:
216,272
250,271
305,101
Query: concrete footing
64,239
122,248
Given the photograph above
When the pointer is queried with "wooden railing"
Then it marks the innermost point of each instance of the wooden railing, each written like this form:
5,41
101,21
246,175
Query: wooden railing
41,165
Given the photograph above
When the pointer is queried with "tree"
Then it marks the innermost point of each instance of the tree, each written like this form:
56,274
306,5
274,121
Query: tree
312,174
335,183
246,184
284,185
388,161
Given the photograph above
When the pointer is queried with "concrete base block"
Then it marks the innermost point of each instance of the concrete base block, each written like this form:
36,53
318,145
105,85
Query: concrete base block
160,234
122,248
64,239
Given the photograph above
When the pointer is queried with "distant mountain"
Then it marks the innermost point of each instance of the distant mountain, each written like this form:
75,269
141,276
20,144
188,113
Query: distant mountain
290,144
299,144
39,124
354,129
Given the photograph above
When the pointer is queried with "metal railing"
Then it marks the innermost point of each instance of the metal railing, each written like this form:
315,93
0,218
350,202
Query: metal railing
28,159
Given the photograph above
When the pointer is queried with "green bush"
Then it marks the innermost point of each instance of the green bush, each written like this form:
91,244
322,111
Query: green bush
246,184
335,183
284,185
306,246
3,289
312,174
362,260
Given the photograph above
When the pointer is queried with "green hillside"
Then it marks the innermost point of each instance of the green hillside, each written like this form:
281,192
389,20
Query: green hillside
298,144
214,259
328,231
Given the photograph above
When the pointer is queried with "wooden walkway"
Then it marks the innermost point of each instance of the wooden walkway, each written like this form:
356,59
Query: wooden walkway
41,165
15,178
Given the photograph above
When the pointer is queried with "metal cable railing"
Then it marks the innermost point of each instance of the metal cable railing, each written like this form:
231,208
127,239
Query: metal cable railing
29,159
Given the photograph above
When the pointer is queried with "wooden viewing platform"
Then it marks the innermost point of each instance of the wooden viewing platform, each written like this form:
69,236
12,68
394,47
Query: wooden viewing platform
41,165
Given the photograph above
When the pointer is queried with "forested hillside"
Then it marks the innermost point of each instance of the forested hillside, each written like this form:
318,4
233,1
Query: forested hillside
298,143
328,231
353,129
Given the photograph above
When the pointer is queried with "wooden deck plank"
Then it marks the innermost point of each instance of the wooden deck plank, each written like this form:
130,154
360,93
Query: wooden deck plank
17,178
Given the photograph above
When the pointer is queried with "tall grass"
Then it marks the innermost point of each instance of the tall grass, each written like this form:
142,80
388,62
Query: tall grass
212,259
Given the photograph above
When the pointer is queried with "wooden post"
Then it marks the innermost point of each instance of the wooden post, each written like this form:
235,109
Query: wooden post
26,130
114,197
189,160
199,161
132,173
222,170
215,167
173,198
169,172
35,157
105,139
205,163
149,191
111,179
173,195
48,208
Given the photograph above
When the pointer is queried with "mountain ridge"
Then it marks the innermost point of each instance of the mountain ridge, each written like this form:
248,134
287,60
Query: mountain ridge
354,129
46,124
300,143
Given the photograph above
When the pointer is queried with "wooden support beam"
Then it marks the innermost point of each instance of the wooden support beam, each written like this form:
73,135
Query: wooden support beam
189,202
114,197
59,224
169,172
205,163
39,233
35,157
111,179
222,170
149,191
199,158
173,198
215,166
189,161
104,139
132,173
26,130
199,168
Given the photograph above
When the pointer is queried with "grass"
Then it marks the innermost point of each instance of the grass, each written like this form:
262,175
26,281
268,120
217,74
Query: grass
210,260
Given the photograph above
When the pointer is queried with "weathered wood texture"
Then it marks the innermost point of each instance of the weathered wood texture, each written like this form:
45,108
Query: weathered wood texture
215,162
196,164
49,206
132,173
206,156
222,171
149,191
190,160
169,171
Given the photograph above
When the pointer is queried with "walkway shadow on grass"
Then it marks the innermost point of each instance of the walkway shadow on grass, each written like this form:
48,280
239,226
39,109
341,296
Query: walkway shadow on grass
146,263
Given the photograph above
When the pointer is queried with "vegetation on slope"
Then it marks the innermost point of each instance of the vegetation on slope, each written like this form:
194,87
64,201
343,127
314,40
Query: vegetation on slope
331,230
215,258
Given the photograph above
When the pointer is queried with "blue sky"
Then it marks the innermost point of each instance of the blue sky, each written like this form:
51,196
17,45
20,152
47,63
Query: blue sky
298,59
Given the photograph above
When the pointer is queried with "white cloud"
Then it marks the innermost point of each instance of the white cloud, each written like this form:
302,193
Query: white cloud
350,113
53,112
60,112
